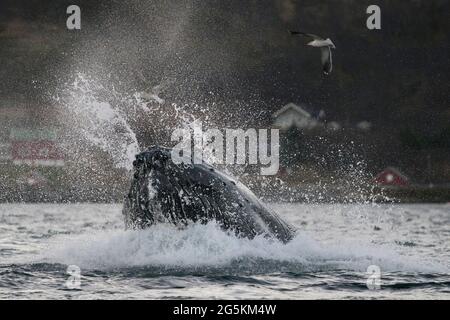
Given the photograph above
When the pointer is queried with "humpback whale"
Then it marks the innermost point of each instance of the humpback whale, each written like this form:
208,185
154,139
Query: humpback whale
162,191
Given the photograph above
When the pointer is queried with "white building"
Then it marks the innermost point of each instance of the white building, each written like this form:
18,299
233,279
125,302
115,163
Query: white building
292,115
364,125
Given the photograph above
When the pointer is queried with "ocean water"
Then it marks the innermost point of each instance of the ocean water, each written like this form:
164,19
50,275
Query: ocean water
333,256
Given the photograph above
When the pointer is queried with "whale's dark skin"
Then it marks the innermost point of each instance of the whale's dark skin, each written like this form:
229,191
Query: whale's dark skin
164,192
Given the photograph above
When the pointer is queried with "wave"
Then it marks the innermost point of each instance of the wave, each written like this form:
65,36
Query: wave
207,246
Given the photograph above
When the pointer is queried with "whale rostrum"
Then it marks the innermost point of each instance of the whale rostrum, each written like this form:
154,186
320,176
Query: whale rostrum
165,192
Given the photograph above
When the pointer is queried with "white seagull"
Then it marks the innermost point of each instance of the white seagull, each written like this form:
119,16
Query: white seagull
153,94
325,46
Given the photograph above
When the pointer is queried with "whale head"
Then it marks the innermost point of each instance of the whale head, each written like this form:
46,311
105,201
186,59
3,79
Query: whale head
164,191
151,188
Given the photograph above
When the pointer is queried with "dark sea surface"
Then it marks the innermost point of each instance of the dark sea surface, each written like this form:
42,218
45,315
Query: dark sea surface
404,249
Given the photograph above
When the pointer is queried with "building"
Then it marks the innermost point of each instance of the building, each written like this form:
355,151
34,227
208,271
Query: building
364,125
35,147
24,138
296,116
392,177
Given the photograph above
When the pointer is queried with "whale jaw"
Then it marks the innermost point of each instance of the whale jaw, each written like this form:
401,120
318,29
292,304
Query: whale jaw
180,194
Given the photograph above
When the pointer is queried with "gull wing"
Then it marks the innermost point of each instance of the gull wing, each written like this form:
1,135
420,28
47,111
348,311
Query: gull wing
162,86
310,35
157,89
327,60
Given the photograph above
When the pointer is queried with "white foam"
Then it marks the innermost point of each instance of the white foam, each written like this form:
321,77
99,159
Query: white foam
207,245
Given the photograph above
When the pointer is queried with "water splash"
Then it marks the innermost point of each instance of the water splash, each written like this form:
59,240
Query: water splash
101,116
88,111
207,246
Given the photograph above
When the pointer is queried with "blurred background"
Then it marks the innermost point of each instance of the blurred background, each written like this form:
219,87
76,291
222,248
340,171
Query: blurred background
376,129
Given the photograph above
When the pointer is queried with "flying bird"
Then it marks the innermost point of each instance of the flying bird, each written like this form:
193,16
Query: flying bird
153,94
325,46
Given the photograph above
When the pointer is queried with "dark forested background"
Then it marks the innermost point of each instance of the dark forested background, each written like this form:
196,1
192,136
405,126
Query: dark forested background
397,78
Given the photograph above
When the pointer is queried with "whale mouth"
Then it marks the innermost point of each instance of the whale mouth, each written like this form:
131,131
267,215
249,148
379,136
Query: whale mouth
154,193
163,191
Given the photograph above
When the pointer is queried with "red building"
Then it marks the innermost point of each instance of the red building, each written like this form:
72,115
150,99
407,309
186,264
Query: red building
35,148
392,177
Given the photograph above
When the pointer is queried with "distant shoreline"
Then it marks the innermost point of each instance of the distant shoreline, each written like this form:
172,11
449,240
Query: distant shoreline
413,194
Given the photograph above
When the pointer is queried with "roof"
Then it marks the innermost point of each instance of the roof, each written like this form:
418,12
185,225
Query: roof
396,171
294,107
299,116
391,176
302,109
